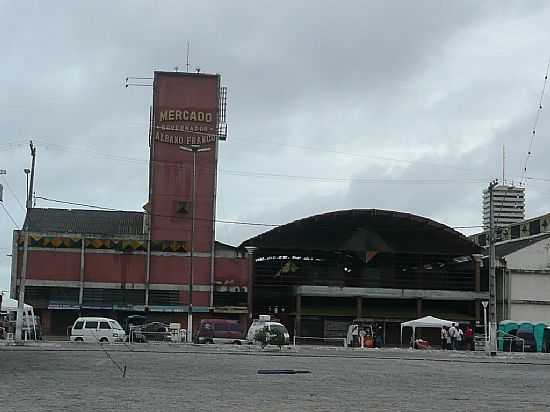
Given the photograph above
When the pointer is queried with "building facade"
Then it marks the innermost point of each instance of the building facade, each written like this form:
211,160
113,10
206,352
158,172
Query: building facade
523,269
165,261
508,205
319,273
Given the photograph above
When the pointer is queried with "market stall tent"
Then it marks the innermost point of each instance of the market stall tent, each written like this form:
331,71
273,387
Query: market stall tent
425,322
10,305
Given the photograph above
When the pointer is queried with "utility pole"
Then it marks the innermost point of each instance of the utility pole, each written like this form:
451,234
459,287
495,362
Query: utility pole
194,149
30,193
21,298
492,274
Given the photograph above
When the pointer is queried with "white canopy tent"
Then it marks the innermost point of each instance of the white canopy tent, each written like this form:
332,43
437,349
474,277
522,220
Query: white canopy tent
425,322
10,305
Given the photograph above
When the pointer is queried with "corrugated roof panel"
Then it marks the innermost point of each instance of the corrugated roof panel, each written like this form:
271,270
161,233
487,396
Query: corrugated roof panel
84,221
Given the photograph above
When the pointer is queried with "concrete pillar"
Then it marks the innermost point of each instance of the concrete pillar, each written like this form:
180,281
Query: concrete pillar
477,272
419,308
477,283
298,317
359,307
250,290
81,286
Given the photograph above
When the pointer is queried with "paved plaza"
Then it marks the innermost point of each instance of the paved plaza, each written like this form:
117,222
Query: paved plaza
68,377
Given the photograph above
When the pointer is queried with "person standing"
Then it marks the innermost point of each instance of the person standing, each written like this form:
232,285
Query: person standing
444,336
459,338
469,337
452,335
379,336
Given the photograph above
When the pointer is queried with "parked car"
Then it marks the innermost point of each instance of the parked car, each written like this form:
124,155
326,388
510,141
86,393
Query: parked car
265,325
151,332
219,331
132,321
92,329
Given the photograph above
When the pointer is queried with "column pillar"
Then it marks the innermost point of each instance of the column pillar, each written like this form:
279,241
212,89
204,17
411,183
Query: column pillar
250,289
81,287
477,283
298,317
419,308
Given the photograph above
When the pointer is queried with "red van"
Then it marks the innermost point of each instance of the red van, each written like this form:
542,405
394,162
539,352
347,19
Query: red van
219,331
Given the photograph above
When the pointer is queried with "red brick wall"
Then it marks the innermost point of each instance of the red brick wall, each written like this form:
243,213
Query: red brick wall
46,265
175,269
229,269
173,167
114,268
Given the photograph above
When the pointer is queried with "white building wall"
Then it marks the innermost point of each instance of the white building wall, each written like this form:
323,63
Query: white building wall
529,293
532,313
533,257
530,287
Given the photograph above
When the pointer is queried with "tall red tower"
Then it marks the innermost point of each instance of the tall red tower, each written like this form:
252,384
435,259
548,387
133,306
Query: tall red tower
186,125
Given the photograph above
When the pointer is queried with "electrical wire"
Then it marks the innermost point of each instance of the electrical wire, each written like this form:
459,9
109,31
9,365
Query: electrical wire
537,117
284,176
9,215
225,221
56,146
13,193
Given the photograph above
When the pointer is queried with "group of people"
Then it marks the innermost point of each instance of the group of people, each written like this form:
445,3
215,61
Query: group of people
454,338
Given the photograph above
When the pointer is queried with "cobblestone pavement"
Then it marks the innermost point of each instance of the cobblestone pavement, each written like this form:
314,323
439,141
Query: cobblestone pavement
64,377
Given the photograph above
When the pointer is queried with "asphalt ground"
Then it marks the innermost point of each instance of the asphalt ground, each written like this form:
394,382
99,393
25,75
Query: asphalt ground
89,377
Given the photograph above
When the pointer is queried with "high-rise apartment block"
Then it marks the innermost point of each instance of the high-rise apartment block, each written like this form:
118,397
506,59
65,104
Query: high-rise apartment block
508,205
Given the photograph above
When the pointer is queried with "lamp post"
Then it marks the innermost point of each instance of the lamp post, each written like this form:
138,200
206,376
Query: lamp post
193,149
485,303
250,250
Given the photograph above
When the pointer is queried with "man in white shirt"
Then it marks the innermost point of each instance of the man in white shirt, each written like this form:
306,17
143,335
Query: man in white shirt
452,333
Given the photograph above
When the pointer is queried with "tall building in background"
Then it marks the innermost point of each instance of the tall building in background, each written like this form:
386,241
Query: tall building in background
508,205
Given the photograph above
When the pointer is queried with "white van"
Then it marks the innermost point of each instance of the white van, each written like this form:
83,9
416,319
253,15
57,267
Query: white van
266,322
104,330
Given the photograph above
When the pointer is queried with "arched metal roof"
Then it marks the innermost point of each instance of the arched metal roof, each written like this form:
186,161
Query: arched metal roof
362,230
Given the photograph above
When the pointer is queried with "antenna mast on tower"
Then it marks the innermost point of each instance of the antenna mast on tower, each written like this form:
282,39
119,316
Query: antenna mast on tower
187,60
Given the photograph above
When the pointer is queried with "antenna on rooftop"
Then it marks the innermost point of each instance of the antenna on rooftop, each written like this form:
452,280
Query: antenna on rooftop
503,164
187,59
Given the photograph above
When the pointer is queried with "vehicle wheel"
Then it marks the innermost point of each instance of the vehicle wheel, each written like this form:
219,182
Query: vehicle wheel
78,340
104,340
237,342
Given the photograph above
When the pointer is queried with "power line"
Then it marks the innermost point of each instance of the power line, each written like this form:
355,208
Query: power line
79,149
273,175
234,222
13,193
10,216
225,221
537,116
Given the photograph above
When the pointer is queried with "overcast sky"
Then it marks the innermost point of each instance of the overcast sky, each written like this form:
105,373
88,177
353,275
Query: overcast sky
332,105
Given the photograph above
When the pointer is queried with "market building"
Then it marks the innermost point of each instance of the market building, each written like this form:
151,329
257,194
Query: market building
523,269
163,261
319,273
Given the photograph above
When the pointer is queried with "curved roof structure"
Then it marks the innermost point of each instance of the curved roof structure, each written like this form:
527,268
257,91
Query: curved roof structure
362,230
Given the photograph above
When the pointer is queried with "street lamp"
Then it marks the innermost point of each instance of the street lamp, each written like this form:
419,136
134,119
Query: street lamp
250,250
485,303
194,149
27,171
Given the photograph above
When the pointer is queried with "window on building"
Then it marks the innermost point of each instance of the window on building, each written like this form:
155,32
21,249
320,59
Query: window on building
534,227
91,325
104,325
